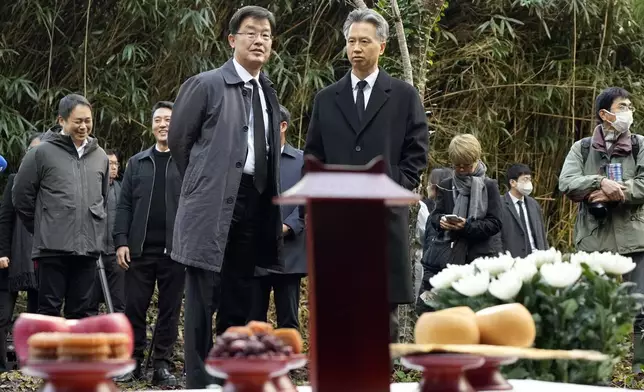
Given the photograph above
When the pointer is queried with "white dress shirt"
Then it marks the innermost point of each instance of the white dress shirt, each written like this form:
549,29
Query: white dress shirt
79,149
525,214
249,168
371,80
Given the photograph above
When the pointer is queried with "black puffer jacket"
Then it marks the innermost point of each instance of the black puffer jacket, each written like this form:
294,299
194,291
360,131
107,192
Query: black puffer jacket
61,198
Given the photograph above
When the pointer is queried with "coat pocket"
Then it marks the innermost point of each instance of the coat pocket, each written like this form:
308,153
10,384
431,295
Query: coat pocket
97,228
56,229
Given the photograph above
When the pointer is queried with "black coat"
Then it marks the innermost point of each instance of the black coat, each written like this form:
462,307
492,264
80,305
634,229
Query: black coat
133,205
394,127
61,198
515,239
113,194
208,141
483,236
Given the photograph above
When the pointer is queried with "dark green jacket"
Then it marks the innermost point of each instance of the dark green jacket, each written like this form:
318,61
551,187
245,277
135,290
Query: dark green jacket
62,198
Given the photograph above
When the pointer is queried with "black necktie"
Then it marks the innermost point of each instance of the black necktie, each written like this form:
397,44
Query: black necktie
360,99
523,223
261,171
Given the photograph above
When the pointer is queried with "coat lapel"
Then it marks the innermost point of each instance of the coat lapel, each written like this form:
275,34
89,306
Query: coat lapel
379,95
513,211
344,100
535,225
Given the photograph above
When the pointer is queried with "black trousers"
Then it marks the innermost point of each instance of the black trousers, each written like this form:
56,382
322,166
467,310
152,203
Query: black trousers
286,294
228,292
68,279
7,305
116,283
144,273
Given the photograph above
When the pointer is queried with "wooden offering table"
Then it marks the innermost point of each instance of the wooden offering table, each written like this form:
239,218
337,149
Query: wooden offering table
346,220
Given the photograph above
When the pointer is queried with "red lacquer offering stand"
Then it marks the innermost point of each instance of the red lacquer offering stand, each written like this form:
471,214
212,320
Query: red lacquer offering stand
346,223
255,375
61,376
488,377
443,372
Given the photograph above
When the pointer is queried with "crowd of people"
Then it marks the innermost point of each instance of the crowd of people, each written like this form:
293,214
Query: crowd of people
193,214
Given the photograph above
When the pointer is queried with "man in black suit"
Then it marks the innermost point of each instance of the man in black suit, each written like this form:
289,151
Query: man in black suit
523,229
143,230
224,138
368,114
285,285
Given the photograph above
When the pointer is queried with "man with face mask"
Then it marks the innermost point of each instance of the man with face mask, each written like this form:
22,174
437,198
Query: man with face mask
60,194
523,230
611,216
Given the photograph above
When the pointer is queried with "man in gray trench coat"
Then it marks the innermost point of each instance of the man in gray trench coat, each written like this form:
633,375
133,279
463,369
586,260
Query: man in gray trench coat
226,224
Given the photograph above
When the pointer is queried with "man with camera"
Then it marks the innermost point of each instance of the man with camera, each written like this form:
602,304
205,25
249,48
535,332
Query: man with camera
605,175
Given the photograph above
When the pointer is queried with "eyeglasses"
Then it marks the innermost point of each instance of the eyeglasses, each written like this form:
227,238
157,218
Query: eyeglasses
115,164
622,107
253,36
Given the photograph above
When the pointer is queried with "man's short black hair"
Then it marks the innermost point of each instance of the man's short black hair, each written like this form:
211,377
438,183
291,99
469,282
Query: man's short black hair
114,152
69,102
517,170
285,115
250,11
162,104
606,98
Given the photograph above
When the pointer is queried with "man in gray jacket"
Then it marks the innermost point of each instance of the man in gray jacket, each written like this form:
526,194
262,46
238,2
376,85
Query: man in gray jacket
60,193
224,138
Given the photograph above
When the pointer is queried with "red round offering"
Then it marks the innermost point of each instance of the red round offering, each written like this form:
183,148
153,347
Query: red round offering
443,372
254,374
488,377
69,376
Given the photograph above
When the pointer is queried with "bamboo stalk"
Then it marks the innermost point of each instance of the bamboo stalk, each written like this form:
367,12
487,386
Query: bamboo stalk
89,6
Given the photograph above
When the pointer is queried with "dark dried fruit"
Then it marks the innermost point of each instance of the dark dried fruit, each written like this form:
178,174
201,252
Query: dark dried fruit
261,346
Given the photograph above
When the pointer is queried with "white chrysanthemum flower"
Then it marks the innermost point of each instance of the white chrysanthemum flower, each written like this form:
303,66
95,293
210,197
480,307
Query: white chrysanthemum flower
450,274
541,257
616,264
473,285
494,265
506,286
560,274
526,269
592,260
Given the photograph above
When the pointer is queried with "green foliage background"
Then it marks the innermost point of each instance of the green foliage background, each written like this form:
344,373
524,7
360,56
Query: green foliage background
519,74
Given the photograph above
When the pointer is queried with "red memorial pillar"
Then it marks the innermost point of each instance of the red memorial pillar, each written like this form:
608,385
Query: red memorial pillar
346,226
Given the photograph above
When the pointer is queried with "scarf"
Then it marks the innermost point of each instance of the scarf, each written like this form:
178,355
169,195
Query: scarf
470,194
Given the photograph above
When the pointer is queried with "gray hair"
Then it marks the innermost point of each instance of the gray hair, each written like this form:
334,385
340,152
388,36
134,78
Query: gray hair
369,16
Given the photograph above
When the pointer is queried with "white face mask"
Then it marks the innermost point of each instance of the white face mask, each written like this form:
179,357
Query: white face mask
525,188
623,121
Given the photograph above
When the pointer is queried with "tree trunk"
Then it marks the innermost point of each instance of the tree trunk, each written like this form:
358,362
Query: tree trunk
402,43
359,4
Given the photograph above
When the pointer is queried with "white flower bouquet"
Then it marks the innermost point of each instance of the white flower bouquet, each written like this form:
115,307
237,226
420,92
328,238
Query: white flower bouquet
578,301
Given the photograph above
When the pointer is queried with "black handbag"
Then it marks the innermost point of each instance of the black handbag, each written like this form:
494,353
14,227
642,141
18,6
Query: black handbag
445,250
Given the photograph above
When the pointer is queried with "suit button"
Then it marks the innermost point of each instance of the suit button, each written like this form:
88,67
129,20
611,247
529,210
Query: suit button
238,165
245,128
230,200
358,148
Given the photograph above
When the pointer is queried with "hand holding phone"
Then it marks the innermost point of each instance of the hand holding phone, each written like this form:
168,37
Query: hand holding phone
452,222
452,218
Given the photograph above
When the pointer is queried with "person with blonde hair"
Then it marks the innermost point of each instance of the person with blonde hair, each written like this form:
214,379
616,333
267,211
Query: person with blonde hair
468,211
